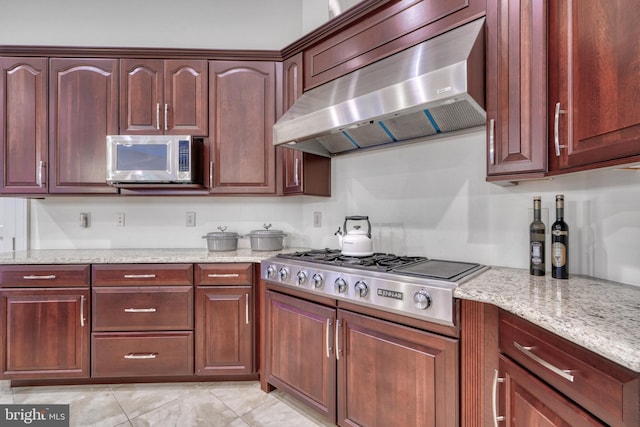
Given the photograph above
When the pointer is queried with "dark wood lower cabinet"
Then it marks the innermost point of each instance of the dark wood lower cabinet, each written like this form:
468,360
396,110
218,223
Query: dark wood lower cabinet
527,401
224,330
392,375
46,333
359,370
300,355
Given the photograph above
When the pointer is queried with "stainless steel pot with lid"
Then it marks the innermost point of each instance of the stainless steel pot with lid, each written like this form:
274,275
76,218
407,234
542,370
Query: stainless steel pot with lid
220,241
266,240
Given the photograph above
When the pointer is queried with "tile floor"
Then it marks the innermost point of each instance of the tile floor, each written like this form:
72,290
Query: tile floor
233,404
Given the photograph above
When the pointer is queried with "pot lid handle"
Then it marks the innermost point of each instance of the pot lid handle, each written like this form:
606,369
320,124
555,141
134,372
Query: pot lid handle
222,228
266,226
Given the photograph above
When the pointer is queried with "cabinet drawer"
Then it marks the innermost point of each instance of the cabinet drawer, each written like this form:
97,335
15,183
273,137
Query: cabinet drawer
606,389
142,354
143,308
142,274
44,276
224,274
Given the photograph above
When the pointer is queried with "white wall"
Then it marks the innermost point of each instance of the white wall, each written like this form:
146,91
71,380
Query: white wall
426,199
432,199
207,24
157,222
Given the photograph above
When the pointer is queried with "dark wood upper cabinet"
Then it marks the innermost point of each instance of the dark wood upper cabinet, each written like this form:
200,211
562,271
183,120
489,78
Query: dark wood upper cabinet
163,97
241,114
516,82
390,28
23,125
594,86
302,173
83,109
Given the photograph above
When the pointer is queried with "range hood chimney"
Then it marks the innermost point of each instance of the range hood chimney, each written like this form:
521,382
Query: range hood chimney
429,89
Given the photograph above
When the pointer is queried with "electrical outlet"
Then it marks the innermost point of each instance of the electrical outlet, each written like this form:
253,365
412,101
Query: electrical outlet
190,219
317,219
120,219
84,219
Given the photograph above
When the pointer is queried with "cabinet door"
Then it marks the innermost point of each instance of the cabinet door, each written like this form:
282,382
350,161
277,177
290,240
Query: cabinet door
141,97
594,54
23,125
242,114
186,98
300,357
394,375
526,401
302,173
291,90
224,330
516,87
83,108
45,333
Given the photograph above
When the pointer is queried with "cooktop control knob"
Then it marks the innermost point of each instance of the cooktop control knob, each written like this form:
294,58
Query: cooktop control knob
422,300
341,285
271,271
301,278
318,280
284,274
362,288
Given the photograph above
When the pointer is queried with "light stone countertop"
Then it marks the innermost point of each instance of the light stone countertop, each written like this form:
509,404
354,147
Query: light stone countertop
125,256
599,315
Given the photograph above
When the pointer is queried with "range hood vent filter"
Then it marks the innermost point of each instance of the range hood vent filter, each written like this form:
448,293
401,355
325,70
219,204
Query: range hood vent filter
431,88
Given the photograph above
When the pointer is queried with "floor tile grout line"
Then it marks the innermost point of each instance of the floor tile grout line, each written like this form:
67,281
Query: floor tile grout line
119,405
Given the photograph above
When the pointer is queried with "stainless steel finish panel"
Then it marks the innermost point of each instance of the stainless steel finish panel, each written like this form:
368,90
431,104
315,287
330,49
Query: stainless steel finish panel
378,283
445,73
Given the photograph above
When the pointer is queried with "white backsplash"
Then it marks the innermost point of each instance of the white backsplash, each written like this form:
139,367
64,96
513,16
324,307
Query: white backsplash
426,199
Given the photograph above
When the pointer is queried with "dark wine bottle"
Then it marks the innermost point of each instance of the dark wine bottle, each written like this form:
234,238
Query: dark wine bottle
560,243
536,241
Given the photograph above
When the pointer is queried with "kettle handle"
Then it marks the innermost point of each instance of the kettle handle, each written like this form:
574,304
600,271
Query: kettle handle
357,218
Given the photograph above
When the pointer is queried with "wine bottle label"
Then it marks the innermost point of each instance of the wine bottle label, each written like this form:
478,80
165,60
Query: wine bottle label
537,254
558,254
559,233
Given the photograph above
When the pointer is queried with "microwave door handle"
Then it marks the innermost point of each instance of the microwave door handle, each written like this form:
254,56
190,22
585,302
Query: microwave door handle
158,116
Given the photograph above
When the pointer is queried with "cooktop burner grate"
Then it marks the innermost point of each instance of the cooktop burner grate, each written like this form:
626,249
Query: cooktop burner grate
376,261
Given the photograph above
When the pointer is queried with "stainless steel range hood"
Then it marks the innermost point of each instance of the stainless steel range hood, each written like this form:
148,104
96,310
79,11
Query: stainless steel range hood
428,89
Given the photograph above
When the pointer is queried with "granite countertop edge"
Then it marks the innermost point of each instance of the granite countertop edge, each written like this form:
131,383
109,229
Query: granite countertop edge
599,315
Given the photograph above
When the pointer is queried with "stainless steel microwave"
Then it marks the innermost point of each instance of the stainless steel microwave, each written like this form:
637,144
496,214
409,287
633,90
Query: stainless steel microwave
150,159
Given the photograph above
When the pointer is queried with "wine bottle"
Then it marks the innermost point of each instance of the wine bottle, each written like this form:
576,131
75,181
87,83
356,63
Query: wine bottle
536,241
560,243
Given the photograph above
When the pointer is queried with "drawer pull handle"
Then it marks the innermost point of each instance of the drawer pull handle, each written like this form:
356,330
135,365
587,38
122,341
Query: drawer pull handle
36,277
494,399
222,275
139,276
564,373
141,356
140,310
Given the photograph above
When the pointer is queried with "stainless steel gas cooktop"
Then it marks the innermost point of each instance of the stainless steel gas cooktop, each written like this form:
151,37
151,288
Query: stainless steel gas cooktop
412,286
